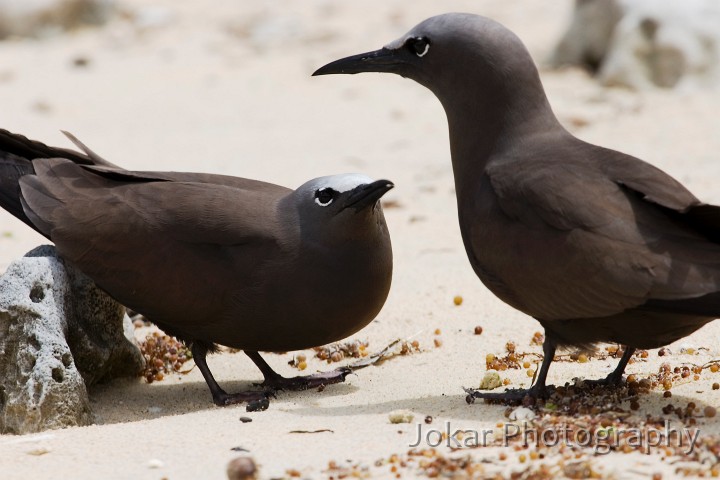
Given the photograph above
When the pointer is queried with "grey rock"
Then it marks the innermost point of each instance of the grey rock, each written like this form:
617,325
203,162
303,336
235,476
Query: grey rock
58,333
645,43
41,387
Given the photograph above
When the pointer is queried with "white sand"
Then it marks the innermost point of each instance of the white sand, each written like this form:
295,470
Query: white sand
190,94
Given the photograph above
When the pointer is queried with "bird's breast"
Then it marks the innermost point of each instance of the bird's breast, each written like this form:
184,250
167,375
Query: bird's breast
315,298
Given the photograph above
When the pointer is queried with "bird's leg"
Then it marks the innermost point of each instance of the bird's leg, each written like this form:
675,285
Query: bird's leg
276,381
517,394
221,398
615,377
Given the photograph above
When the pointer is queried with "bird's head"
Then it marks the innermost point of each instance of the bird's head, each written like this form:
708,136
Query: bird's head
341,206
454,55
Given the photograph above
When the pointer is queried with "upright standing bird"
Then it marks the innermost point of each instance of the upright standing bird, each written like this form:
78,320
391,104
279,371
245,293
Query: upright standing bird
213,259
597,245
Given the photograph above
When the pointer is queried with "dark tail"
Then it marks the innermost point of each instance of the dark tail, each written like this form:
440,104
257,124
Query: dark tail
16,155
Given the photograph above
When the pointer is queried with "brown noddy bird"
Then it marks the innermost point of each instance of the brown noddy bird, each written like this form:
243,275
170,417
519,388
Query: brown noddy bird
595,244
213,259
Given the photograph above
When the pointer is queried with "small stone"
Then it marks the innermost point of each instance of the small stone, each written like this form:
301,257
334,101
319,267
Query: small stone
458,300
490,381
687,349
478,330
259,405
38,451
80,61
522,414
155,463
245,419
710,412
400,416
242,468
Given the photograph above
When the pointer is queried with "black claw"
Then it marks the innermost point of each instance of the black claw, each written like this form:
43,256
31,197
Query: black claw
270,392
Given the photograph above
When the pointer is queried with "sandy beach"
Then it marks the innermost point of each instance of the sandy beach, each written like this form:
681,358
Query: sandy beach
227,89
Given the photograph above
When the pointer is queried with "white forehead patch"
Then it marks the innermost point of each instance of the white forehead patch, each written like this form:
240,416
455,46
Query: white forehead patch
341,183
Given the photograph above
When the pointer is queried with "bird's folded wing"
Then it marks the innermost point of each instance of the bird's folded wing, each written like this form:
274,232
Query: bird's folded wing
82,211
657,187
584,242
190,177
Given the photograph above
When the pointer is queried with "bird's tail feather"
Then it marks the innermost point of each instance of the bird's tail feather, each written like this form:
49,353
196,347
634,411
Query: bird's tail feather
31,149
16,155
12,167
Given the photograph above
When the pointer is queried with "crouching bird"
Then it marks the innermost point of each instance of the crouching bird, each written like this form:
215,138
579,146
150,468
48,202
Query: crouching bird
213,259
597,245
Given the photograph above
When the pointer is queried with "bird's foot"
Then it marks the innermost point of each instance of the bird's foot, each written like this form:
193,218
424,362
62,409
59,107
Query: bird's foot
612,380
315,380
513,395
256,401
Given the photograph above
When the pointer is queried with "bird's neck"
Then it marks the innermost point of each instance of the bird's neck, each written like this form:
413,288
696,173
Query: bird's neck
490,121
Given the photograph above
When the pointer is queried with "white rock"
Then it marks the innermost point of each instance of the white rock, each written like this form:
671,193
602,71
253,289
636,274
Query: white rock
41,386
57,332
645,43
400,416
522,414
587,39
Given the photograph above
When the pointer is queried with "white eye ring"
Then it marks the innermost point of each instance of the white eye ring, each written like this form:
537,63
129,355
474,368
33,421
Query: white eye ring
330,199
427,48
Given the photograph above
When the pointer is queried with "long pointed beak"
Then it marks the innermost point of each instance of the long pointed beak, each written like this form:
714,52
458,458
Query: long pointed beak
383,60
366,195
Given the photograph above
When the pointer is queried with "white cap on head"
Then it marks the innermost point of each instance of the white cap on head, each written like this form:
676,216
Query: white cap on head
340,183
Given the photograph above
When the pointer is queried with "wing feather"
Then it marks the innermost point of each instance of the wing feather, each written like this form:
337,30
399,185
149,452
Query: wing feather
621,233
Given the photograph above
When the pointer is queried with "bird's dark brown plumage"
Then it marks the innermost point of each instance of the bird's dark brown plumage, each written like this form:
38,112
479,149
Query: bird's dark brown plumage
597,245
212,259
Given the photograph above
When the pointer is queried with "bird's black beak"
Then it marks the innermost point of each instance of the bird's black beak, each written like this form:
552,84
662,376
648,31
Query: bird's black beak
383,60
366,195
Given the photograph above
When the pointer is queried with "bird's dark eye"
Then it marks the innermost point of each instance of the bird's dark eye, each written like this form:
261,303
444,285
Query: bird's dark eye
325,196
419,45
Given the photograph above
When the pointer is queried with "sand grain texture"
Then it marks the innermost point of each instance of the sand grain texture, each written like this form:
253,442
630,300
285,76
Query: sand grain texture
228,90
